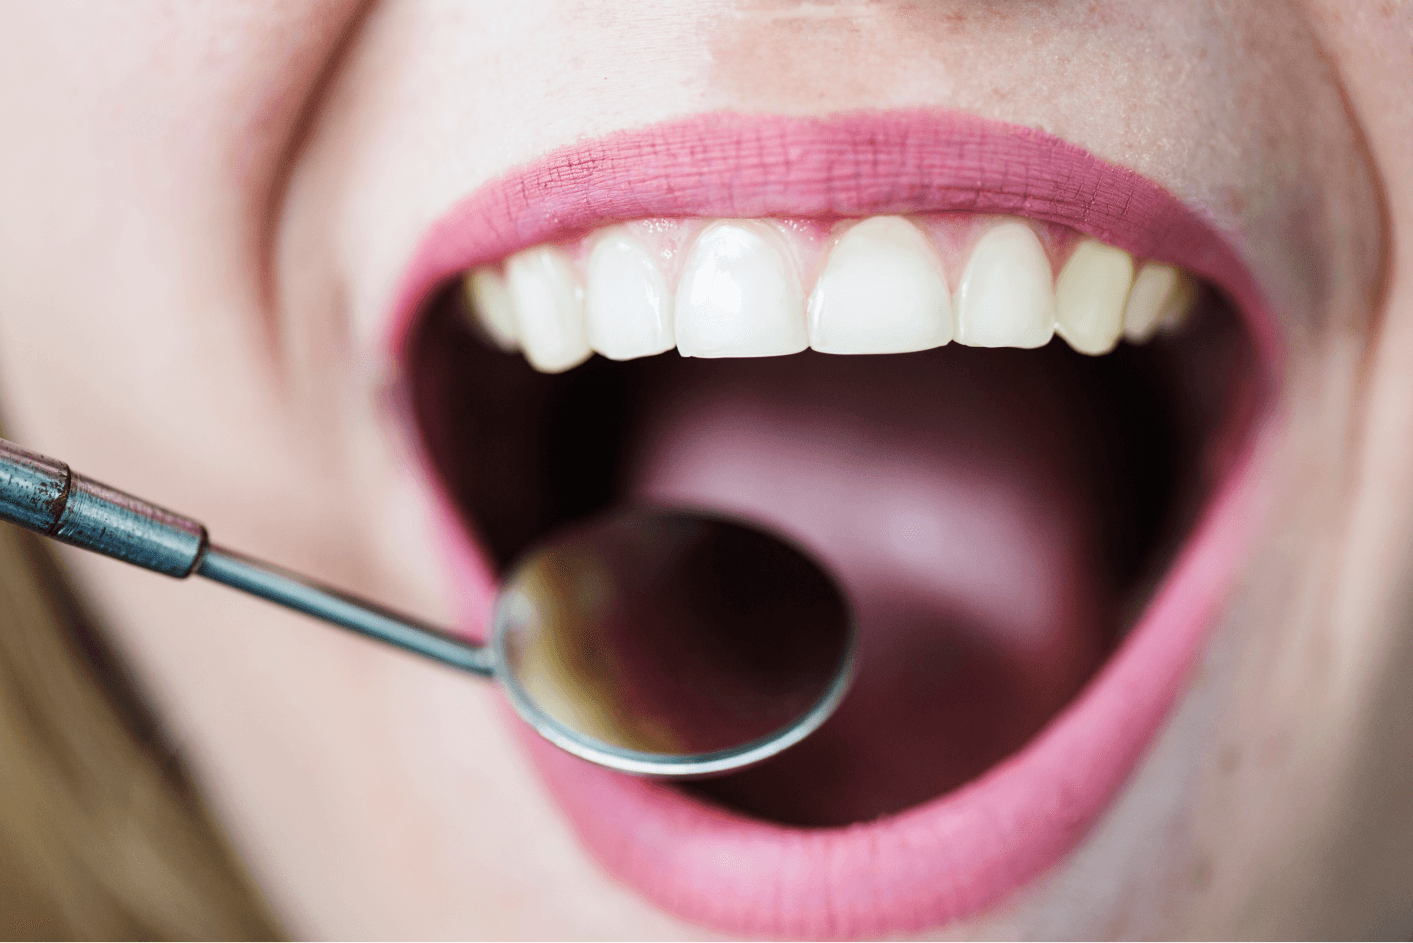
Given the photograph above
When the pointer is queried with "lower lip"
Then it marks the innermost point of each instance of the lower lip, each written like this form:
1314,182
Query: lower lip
963,852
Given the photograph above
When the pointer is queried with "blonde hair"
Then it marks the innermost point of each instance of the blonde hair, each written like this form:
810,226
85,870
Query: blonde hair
101,832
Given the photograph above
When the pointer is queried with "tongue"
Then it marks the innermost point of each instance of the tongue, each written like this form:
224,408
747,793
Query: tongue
955,496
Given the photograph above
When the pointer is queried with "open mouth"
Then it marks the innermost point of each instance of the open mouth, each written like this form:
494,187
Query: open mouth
1007,393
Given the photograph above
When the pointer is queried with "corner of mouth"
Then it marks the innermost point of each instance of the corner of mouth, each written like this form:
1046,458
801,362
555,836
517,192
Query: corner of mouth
703,855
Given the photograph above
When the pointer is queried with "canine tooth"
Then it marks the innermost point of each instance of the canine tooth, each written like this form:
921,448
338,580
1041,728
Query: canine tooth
491,308
1090,295
627,309
1161,295
883,291
1007,293
739,295
549,309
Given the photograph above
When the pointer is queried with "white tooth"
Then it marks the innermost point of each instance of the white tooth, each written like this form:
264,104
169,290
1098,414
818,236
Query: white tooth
1175,312
883,291
491,308
549,309
1161,295
627,310
1007,294
1090,295
739,295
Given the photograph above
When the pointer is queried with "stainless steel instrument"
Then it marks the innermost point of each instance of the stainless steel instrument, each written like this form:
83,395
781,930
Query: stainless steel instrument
661,643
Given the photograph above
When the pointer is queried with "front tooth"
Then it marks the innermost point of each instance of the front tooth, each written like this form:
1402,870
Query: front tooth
491,307
549,309
1007,296
1161,294
883,291
1090,295
627,310
739,296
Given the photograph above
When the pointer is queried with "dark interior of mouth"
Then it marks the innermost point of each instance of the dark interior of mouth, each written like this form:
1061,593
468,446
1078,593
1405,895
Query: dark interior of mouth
998,517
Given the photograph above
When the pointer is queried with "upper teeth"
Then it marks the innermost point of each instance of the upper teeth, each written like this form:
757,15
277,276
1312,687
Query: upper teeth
739,296
883,291
1090,296
735,289
1006,298
629,309
549,309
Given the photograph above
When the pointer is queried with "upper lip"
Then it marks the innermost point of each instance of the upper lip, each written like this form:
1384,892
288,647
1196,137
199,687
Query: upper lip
844,165
959,853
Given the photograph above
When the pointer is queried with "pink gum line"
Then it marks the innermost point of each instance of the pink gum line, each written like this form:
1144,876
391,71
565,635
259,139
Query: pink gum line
807,242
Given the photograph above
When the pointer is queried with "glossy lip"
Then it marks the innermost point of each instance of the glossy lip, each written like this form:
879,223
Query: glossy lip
964,851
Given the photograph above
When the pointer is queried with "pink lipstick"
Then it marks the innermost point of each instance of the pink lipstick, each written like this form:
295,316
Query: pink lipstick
966,849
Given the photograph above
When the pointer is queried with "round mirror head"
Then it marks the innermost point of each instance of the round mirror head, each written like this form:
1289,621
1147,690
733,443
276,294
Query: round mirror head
672,643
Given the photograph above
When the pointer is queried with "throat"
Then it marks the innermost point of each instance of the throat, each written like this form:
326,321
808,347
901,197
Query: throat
958,499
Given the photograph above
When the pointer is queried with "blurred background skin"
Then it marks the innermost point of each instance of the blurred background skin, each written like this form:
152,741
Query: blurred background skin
194,196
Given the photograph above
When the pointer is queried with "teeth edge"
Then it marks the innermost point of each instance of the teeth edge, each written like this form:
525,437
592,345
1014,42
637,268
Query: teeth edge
628,311
850,310
739,295
539,306
1006,297
549,309
492,312
1091,295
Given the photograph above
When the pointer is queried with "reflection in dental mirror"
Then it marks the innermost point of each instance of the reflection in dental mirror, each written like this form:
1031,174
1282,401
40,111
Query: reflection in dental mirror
672,643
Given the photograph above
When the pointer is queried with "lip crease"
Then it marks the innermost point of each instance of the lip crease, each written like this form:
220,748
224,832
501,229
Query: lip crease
958,854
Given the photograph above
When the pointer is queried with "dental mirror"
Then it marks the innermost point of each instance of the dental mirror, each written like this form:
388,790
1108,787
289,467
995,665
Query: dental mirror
655,642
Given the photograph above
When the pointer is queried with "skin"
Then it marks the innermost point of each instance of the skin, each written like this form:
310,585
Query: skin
206,211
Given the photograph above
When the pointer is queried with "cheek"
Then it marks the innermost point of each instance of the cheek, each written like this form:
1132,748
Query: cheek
131,275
